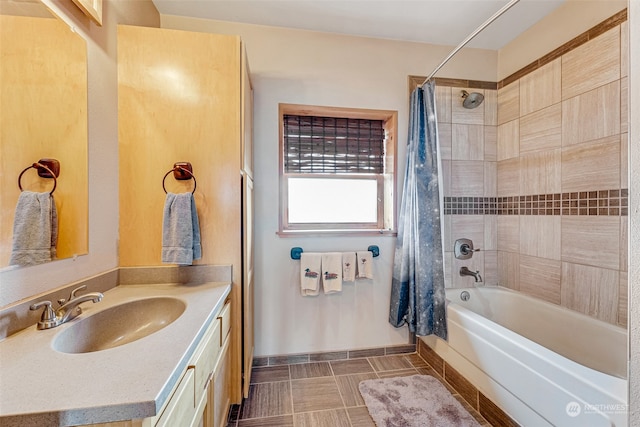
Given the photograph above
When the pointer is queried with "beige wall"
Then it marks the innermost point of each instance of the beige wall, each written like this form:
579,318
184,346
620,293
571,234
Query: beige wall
560,26
303,67
562,131
20,283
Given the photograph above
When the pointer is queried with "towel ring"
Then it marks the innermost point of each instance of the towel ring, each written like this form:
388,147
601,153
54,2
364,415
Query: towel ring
39,166
182,170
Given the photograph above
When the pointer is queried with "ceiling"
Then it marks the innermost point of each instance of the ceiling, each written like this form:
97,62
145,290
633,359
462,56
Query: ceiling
446,22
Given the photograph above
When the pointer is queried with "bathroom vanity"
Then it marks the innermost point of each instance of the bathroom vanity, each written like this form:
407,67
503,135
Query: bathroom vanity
177,375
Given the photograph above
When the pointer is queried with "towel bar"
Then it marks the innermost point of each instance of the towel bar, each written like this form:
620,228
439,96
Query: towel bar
47,168
296,252
181,171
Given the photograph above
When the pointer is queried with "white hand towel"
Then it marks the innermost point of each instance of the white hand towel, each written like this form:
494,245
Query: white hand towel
365,265
180,230
332,272
349,266
310,273
35,229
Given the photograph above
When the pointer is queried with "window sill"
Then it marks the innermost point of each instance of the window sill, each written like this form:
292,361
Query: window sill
333,233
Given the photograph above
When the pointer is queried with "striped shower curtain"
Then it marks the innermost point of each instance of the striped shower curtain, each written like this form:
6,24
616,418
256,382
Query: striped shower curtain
417,289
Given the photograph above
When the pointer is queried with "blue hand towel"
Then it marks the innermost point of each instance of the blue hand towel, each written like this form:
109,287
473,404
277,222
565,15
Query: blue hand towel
35,229
180,230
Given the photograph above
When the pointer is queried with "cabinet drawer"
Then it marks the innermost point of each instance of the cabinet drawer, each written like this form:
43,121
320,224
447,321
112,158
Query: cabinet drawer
225,321
221,387
204,358
181,408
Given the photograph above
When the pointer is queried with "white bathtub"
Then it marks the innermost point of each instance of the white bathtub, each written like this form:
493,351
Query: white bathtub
542,364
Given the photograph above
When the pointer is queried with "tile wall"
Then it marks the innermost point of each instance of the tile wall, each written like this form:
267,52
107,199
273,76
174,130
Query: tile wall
536,176
468,139
561,192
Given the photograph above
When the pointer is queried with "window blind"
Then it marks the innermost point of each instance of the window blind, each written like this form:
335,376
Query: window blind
333,145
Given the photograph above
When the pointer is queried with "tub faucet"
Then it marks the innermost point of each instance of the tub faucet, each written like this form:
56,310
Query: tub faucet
69,308
464,271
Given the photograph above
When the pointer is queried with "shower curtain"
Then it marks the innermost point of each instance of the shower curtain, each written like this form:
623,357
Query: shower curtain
417,289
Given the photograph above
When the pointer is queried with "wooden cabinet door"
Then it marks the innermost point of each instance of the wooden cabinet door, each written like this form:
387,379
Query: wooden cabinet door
222,388
247,118
181,408
247,283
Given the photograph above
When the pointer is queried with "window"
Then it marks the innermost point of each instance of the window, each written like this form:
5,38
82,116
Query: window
337,170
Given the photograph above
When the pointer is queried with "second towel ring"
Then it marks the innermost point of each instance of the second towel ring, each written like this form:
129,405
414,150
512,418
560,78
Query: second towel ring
46,173
182,170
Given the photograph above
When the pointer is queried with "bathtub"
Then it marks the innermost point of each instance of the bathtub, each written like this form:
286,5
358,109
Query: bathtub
540,363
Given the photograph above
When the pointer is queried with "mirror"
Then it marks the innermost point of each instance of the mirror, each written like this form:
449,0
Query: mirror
43,114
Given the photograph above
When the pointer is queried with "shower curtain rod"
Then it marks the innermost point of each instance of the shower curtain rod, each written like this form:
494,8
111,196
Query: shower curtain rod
471,36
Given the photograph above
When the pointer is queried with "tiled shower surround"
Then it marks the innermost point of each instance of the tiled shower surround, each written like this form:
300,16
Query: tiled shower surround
536,176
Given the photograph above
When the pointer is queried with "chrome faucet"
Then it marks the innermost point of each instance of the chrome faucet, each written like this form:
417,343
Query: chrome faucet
464,271
68,309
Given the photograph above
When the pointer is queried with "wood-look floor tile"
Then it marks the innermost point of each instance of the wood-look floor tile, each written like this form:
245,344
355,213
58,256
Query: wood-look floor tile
360,417
270,374
493,414
461,385
310,370
398,373
260,361
416,360
289,359
352,366
282,421
432,358
400,349
348,386
433,373
389,363
267,400
471,410
367,352
315,394
234,412
326,356
330,418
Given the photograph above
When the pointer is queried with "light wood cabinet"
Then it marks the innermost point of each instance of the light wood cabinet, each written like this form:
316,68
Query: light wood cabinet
202,396
185,96
181,410
247,229
219,392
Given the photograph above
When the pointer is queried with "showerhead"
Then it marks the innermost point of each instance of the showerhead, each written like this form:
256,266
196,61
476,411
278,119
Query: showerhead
472,100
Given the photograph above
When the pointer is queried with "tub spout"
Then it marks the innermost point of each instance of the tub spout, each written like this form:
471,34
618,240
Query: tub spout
464,271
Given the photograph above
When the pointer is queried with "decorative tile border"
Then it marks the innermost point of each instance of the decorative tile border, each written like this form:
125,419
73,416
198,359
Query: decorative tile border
415,81
579,40
470,205
582,203
290,359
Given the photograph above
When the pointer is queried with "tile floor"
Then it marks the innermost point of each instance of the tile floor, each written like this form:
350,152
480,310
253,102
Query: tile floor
323,394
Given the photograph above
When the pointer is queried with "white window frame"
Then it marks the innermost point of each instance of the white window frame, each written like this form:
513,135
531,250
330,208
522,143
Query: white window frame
386,207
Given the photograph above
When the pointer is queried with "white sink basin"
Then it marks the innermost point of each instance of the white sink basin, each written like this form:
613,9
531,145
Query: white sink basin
119,325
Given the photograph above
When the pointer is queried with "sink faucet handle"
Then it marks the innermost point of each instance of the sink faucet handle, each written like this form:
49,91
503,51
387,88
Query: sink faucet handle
73,292
48,317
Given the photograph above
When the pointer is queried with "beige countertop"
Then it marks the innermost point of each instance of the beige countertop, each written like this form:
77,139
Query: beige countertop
41,386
